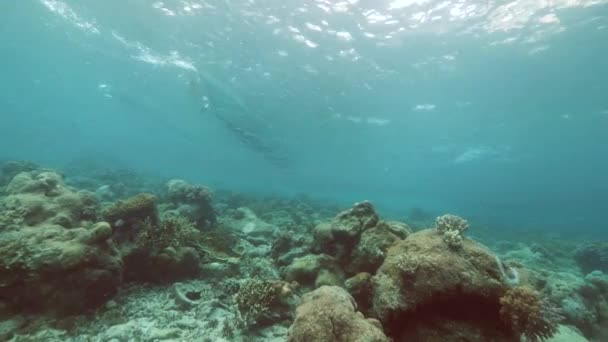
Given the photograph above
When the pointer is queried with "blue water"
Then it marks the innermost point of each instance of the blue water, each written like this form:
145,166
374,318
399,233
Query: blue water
493,110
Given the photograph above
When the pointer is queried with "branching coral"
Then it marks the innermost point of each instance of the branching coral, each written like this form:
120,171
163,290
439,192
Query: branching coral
452,228
173,231
259,300
528,314
177,231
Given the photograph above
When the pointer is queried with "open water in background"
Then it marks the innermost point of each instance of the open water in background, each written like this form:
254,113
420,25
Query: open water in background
493,110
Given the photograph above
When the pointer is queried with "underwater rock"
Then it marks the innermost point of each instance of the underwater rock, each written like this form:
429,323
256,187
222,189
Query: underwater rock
313,269
329,314
10,169
420,276
592,256
372,246
49,244
41,198
192,201
340,236
287,246
53,269
587,306
358,239
132,212
164,266
361,288
400,229
44,182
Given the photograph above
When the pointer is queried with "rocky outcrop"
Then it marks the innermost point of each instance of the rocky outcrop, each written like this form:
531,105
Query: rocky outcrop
330,314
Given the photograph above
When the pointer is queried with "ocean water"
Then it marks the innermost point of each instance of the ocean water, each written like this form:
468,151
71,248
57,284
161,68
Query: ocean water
493,109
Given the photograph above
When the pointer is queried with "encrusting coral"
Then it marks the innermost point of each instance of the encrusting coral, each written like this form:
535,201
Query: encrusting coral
329,314
36,198
421,283
53,256
131,211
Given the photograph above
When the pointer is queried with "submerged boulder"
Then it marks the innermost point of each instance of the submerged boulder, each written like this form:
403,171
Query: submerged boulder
132,212
191,201
10,169
360,287
314,270
41,198
339,237
370,250
592,257
164,252
423,283
330,314
358,239
53,257
52,269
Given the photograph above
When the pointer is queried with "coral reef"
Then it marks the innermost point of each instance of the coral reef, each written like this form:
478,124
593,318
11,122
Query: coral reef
420,276
53,269
592,257
299,213
163,253
357,239
173,231
340,236
10,169
263,302
234,267
329,314
528,315
371,248
287,246
53,257
132,212
314,270
40,197
191,201
361,288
